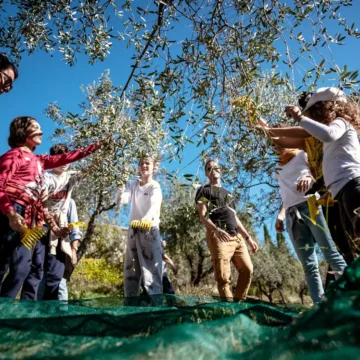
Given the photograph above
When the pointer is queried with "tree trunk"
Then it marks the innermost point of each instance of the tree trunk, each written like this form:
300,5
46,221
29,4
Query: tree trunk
200,267
302,294
90,230
192,270
268,294
282,296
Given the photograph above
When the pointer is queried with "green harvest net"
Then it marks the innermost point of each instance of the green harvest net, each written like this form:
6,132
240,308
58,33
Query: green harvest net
184,327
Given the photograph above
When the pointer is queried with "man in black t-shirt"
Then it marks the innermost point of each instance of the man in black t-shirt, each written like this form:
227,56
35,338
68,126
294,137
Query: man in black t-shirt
225,235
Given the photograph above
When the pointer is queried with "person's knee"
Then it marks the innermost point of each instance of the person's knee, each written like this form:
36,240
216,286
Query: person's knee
247,270
222,271
310,267
22,270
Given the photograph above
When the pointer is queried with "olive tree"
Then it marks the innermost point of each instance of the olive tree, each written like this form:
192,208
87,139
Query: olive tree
131,134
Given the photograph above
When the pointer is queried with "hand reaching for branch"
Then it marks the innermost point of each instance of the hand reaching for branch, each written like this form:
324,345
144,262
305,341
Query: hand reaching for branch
262,123
107,142
293,112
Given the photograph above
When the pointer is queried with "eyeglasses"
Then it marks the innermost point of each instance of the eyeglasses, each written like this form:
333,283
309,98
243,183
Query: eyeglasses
213,168
8,81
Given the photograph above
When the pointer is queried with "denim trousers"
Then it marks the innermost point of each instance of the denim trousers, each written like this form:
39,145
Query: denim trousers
63,291
14,257
303,234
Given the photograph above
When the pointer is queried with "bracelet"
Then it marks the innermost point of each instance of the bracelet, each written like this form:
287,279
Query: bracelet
248,238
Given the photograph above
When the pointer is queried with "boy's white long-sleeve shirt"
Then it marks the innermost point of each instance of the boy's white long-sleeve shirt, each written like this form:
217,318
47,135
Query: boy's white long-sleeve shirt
145,201
341,162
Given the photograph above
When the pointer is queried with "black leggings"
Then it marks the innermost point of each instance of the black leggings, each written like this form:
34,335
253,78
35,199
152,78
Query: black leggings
349,202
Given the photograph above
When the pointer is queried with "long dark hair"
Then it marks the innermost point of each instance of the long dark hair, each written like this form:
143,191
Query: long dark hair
6,64
18,129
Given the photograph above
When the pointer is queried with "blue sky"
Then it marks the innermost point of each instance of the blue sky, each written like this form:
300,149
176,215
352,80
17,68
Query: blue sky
44,79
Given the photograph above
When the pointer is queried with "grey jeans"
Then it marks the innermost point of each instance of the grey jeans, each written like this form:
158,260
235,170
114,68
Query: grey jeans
143,259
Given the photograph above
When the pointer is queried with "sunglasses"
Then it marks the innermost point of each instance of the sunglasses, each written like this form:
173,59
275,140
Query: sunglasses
213,168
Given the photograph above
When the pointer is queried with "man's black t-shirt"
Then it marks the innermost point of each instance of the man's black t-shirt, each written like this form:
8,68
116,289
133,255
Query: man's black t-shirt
220,205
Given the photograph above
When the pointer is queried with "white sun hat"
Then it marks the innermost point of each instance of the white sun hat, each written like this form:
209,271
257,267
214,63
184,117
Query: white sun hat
326,94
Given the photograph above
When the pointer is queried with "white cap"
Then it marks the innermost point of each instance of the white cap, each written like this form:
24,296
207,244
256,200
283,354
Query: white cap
326,94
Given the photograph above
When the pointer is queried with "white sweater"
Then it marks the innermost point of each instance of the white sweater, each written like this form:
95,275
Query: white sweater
289,175
341,162
145,201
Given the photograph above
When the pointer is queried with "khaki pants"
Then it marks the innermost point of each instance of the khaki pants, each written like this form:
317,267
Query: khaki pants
222,254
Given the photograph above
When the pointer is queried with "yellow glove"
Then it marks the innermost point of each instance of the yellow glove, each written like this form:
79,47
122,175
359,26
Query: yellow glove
326,202
313,208
141,224
76,224
32,236
313,205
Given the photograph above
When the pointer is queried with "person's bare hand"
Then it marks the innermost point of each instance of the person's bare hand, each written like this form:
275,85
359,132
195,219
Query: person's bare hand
304,184
62,232
254,246
16,221
174,269
222,235
279,225
107,142
325,196
293,112
262,124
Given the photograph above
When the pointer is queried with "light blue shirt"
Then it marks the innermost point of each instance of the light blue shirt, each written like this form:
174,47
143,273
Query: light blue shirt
72,215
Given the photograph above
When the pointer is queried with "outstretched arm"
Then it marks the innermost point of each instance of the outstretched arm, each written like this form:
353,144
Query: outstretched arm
290,143
53,161
325,133
289,132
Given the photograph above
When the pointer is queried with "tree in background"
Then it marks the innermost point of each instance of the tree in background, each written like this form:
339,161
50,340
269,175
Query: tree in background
275,268
191,51
185,235
100,273
131,135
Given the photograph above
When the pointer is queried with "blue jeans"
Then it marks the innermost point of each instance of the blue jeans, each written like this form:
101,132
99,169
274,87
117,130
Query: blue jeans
31,284
63,291
14,256
303,234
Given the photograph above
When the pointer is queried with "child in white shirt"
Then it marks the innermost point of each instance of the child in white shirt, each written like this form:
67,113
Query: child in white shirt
143,258
292,169
333,119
